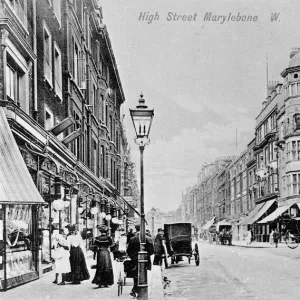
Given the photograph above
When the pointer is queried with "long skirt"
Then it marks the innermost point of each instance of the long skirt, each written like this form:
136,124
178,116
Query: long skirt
62,264
104,270
79,271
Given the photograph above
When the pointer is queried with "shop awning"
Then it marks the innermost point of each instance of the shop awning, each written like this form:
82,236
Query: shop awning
247,220
209,223
262,211
16,184
275,214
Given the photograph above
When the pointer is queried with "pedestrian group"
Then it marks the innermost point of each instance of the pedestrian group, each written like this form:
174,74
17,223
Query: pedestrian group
70,260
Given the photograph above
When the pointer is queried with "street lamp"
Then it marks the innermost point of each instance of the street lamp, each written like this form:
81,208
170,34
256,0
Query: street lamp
142,120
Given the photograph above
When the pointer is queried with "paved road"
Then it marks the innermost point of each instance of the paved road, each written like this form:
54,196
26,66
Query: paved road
235,273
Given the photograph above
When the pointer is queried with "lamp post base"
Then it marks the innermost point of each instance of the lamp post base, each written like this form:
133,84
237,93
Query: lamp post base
142,273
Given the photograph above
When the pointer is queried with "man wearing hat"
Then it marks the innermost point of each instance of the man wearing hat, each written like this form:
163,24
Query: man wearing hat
158,247
133,250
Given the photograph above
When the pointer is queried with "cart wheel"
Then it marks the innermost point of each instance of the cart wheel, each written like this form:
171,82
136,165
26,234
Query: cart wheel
291,240
197,259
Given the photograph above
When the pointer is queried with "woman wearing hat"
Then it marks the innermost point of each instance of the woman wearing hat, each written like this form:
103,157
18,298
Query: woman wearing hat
104,271
79,271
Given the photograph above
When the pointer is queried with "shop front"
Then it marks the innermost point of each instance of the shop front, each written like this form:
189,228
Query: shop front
20,202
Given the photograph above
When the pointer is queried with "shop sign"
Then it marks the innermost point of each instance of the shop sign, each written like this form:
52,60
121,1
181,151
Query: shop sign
49,166
67,176
29,160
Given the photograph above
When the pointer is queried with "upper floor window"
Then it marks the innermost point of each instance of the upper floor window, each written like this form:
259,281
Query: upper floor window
57,10
47,55
49,119
20,9
293,184
297,121
293,150
12,83
57,72
17,81
75,62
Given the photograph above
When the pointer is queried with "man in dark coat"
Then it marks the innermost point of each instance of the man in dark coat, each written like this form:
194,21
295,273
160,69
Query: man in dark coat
132,251
158,247
130,234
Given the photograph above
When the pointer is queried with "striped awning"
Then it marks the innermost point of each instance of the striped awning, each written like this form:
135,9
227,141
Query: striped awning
257,212
16,184
275,214
209,224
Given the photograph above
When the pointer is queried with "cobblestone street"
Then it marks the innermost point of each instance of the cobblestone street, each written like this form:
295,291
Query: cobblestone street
237,273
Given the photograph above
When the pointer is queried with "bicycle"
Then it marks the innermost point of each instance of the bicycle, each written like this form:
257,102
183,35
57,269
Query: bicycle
292,238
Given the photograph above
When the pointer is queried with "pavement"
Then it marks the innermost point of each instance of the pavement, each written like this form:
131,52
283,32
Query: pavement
44,289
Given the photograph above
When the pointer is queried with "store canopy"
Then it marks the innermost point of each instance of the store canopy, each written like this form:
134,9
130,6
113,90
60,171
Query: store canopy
209,223
16,184
277,213
262,211
247,220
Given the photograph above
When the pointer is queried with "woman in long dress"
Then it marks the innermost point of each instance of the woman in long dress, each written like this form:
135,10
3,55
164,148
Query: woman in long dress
104,271
79,271
62,254
249,237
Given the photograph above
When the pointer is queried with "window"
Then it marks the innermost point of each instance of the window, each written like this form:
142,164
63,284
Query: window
57,10
293,150
12,84
94,156
47,55
293,184
49,119
102,161
101,111
75,62
57,72
111,127
76,142
106,115
297,121
93,99
20,9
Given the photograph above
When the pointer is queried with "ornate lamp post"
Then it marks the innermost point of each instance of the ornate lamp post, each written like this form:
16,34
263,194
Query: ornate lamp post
142,120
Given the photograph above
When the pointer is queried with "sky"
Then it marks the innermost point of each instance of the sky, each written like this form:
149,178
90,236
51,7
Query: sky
206,80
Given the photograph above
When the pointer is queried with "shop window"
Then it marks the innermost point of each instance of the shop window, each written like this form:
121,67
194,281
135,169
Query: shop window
20,242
